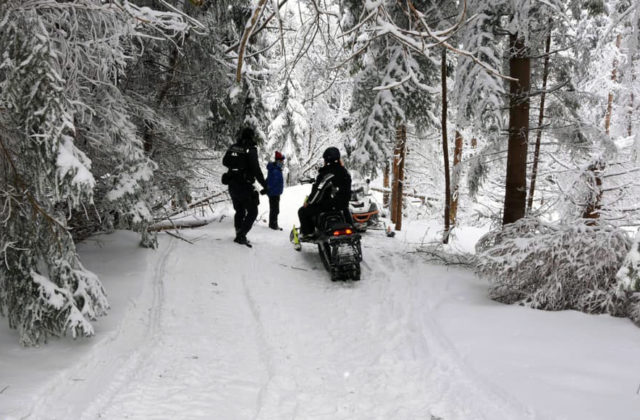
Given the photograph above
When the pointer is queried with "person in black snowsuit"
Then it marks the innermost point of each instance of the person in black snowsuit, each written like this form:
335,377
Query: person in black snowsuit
244,170
330,191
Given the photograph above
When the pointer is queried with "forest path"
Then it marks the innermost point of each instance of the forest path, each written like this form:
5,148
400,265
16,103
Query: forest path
262,333
216,330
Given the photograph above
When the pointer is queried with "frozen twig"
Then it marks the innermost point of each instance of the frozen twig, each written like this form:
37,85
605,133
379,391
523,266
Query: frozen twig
178,236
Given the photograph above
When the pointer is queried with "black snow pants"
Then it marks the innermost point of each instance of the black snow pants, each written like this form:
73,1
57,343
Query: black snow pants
245,202
274,210
307,216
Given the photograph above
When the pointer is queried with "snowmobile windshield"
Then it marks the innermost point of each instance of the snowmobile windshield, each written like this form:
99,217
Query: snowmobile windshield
355,193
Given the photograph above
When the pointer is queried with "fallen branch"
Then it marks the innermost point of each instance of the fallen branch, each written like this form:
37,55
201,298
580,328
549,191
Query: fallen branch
179,226
423,198
202,201
179,237
248,29
438,255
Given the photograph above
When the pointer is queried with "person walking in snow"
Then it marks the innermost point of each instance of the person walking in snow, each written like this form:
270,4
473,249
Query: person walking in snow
242,160
330,191
275,186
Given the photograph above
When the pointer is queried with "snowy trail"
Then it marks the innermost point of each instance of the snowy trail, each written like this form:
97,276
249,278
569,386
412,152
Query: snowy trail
224,331
279,340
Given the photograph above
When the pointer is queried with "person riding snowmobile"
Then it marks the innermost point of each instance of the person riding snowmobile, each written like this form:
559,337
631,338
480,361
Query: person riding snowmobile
331,191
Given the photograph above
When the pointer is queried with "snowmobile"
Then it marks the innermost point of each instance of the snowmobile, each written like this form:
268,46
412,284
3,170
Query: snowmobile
364,209
338,245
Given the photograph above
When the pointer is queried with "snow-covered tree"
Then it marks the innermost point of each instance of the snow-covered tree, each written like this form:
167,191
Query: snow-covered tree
555,267
64,115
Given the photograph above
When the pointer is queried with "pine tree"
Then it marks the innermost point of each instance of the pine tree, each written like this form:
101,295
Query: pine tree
64,118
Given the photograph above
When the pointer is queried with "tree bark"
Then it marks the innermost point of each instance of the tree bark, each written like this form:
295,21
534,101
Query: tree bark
594,198
401,140
455,178
445,148
631,100
536,153
614,77
516,182
385,184
394,183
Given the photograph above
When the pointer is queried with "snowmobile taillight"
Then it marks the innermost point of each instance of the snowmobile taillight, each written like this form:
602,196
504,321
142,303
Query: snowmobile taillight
342,232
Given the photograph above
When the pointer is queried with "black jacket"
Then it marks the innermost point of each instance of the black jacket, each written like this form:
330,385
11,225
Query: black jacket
332,189
249,169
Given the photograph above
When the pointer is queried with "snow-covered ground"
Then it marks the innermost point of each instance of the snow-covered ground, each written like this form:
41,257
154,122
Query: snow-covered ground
215,330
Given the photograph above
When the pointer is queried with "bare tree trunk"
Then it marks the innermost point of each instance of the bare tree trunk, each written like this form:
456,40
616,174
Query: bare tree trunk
630,113
394,183
614,77
594,199
401,140
536,152
455,178
516,182
445,148
248,29
385,185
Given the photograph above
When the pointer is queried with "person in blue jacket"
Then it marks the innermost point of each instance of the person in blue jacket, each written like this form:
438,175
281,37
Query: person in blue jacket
275,185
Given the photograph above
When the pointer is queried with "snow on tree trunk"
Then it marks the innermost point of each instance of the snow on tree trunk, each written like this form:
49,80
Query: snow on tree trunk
629,274
248,29
385,185
593,199
614,77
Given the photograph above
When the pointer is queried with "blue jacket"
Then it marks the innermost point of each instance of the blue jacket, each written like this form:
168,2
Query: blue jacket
275,181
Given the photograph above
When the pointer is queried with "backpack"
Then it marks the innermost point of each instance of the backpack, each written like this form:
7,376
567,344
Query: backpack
236,159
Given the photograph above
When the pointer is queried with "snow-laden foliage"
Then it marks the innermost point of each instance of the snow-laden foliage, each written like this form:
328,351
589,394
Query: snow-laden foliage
479,94
554,267
305,96
628,278
289,130
629,274
396,79
64,121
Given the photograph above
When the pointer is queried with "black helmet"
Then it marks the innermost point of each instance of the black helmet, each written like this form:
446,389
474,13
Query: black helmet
332,154
247,136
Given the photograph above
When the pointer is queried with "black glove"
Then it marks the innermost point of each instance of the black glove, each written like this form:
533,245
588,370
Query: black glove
263,191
